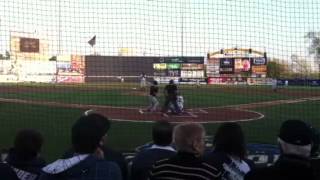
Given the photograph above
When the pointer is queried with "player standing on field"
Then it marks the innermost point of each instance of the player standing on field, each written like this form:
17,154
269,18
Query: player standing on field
143,81
153,97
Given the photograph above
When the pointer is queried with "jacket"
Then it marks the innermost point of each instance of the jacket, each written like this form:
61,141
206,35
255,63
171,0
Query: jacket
287,167
81,167
25,169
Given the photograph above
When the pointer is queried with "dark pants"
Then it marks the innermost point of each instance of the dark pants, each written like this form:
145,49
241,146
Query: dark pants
171,99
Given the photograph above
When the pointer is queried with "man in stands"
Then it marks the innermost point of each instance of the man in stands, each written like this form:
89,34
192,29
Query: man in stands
171,92
161,149
23,161
295,141
87,163
187,163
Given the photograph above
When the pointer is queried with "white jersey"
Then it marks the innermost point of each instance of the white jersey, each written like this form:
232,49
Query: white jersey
180,102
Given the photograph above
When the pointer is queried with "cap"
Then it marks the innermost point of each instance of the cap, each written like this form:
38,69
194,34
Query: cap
295,132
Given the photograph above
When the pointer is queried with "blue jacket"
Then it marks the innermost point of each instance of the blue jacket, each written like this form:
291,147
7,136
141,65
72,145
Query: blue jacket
90,168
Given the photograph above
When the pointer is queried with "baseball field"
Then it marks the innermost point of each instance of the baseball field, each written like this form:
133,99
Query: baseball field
52,109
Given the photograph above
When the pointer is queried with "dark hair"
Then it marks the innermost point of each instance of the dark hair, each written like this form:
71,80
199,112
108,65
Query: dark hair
88,131
162,133
28,143
155,82
171,81
230,139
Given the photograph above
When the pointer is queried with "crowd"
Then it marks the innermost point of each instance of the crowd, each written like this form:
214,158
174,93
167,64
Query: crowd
177,153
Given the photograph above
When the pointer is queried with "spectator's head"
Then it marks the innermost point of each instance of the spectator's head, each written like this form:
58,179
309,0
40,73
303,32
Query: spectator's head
295,138
162,133
155,82
88,131
171,81
229,139
189,137
28,143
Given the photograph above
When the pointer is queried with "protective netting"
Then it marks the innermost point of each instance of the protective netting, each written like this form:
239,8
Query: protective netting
58,58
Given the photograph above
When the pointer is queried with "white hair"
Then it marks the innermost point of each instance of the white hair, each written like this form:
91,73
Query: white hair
288,148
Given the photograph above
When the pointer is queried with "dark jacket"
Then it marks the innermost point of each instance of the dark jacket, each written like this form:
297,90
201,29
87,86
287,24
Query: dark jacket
90,168
6,172
287,167
26,169
230,169
315,163
143,161
109,155
184,166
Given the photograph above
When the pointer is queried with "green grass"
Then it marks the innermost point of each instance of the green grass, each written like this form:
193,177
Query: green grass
207,96
55,123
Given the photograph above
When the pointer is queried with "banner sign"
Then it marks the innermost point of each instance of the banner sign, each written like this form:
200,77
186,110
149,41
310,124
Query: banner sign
30,45
189,59
259,69
259,61
160,66
242,65
226,66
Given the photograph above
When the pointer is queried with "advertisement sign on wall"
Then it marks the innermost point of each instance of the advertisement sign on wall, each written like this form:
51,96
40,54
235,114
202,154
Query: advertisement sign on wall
259,61
160,66
242,65
259,69
226,66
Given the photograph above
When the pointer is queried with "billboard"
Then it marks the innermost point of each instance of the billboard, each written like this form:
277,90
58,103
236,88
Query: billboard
78,63
192,74
160,66
30,45
173,66
242,65
226,66
174,73
175,59
213,67
192,66
259,61
259,69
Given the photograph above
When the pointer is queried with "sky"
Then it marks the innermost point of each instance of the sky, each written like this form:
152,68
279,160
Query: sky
157,27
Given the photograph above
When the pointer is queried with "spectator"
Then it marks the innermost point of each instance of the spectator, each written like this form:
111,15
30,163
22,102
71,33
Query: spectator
88,160
23,161
187,163
171,92
161,149
295,139
229,154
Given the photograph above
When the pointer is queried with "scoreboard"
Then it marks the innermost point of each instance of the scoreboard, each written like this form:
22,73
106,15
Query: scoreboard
179,67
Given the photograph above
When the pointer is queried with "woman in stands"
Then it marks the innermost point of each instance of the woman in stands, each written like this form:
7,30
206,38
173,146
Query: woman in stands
229,153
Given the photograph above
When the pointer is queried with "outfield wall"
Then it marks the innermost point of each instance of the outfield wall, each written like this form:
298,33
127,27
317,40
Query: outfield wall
111,68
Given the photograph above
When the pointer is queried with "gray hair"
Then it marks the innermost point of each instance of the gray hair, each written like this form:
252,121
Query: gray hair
185,134
288,148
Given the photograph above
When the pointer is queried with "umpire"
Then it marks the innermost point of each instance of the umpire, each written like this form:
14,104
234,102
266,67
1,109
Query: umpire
171,92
